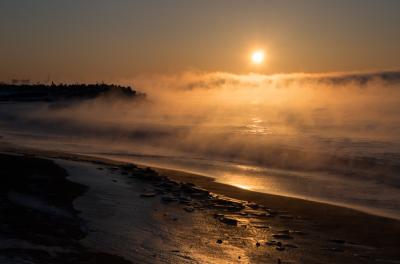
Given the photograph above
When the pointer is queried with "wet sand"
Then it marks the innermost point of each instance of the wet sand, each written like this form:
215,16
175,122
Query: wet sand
184,223
348,224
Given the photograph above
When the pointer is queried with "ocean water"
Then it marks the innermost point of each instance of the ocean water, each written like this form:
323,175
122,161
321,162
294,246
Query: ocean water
362,174
332,139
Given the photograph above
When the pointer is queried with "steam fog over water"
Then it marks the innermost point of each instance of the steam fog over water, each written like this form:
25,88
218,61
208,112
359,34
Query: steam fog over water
327,137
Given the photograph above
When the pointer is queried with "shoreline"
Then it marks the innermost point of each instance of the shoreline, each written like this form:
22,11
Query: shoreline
358,227
194,175
181,175
338,223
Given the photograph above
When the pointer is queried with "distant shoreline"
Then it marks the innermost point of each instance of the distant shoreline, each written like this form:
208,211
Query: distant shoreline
63,92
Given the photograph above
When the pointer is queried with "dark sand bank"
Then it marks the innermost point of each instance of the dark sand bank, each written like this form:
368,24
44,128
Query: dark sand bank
257,227
38,223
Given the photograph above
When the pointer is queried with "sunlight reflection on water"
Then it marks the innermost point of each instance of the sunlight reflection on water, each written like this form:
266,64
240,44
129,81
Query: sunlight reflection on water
256,126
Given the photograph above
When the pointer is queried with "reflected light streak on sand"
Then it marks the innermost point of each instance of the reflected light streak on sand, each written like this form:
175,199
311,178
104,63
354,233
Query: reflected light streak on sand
244,182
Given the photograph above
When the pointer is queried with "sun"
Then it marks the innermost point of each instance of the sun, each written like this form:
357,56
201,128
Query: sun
257,56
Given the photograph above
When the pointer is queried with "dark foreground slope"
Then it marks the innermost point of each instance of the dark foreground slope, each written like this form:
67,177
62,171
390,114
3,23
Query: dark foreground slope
38,223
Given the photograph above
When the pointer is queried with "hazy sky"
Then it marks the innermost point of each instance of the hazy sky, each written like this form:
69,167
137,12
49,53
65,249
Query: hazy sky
106,40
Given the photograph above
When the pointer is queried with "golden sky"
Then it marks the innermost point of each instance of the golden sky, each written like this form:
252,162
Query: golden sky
110,40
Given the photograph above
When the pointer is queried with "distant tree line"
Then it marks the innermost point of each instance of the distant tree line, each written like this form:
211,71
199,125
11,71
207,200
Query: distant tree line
60,92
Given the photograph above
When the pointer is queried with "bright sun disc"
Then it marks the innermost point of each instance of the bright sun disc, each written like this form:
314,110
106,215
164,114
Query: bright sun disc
257,57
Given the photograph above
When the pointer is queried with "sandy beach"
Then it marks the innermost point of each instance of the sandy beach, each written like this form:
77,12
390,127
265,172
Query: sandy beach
145,215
